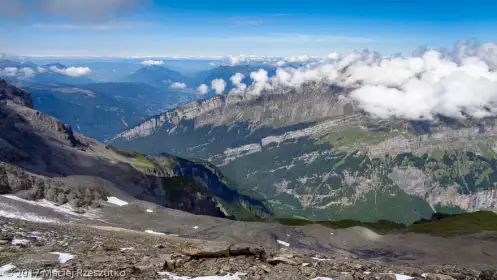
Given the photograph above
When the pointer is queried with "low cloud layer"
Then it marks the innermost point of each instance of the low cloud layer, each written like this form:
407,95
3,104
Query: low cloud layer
178,85
457,83
203,89
218,85
152,62
10,71
27,72
72,71
236,80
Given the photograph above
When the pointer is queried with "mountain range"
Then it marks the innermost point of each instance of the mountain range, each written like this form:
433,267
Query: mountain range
310,151
99,110
67,200
313,154
157,76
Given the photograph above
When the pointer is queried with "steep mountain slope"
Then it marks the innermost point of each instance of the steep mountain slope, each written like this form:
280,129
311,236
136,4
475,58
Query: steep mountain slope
50,77
100,110
91,112
43,158
157,76
314,154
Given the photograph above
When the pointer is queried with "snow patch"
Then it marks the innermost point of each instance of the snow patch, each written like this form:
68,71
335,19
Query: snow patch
229,276
116,201
19,242
13,213
127,249
154,232
283,243
195,227
322,278
65,208
26,217
150,211
403,277
64,257
6,268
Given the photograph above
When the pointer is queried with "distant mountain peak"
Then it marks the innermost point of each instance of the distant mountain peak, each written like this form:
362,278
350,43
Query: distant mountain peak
155,75
57,64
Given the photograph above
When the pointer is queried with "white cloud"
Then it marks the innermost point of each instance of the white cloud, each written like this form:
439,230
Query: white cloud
234,60
236,80
152,62
416,88
203,89
28,72
10,71
41,69
218,85
178,85
333,55
247,59
455,84
260,83
300,58
72,71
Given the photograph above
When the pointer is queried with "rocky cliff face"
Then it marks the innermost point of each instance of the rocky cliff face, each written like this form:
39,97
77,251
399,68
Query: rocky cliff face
282,108
13,94
50,152
314,154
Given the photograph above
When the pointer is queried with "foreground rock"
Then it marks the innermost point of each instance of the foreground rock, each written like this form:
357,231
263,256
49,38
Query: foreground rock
211,249
137,255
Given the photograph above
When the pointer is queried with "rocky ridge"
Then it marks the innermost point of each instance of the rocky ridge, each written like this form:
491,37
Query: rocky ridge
288,105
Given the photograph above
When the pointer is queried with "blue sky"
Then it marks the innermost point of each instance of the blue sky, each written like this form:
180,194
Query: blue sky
221,27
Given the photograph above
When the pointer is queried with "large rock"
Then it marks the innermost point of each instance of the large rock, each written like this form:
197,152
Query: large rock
206,249
221,249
